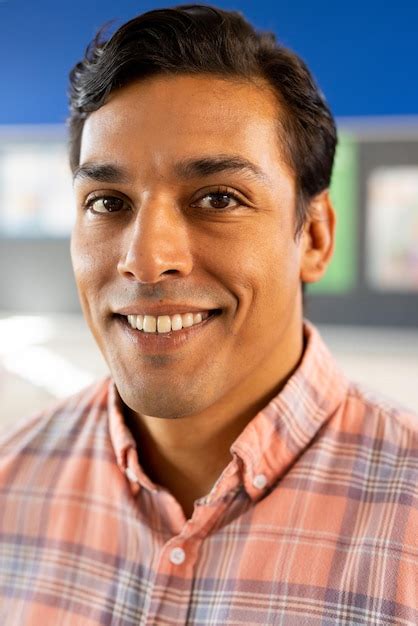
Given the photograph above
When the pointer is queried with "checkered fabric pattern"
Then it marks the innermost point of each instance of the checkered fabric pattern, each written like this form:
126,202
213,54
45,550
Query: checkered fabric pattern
313,522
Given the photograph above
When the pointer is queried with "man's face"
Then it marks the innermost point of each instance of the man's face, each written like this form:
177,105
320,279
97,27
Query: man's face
172,239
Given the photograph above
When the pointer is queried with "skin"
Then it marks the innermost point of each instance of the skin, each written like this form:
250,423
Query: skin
170,241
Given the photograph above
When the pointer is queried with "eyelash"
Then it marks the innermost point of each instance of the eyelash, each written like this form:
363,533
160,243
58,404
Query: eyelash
88,205
221,192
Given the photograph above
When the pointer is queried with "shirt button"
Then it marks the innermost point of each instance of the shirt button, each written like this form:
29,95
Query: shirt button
177,556
259,481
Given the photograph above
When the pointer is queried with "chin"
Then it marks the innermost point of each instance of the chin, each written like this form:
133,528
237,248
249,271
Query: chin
171,404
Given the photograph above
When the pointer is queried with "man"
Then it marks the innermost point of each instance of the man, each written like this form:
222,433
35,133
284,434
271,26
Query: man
226,472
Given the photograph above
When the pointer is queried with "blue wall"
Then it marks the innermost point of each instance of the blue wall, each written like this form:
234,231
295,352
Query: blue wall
363,54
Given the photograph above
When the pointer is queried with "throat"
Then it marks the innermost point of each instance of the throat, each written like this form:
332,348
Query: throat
188,471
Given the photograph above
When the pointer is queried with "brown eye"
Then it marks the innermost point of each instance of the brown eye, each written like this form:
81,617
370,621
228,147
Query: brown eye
105,204
219,200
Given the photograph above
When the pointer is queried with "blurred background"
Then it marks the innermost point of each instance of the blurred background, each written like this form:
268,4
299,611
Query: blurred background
364,55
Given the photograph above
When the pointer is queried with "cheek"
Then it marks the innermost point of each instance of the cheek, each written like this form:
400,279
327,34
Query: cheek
258,262
259,266
281,278
91,265
271,298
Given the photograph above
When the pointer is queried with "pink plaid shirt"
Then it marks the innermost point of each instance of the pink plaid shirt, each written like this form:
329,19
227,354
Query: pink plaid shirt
314,520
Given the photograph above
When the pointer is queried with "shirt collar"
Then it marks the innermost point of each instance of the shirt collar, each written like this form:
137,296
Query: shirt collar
275,437
279,433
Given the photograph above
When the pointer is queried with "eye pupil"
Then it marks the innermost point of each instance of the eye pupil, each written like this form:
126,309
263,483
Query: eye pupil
220,198
112,204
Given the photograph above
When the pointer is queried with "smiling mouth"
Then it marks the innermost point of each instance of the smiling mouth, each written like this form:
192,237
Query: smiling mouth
167,325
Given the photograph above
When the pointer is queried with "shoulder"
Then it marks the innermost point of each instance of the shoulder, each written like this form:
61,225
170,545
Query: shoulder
380,436
383,416
58,425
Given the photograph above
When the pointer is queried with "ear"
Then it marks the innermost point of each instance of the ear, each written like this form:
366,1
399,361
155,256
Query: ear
318,238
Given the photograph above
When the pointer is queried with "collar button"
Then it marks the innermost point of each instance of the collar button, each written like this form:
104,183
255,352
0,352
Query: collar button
260,481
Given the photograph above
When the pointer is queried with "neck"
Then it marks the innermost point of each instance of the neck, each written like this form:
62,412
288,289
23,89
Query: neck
187,455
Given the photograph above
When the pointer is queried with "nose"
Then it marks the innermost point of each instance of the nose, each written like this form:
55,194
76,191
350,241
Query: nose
156,244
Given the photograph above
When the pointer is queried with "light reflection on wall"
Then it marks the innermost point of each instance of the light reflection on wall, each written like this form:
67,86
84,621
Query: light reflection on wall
22,353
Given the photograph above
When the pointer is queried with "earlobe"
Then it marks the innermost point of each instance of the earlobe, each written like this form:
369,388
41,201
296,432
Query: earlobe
318,238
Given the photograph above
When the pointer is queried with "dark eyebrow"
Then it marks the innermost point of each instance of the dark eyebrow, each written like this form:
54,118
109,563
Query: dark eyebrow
186,168
206,166
101,173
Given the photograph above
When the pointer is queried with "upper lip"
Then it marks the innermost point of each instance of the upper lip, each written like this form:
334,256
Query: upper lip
162,309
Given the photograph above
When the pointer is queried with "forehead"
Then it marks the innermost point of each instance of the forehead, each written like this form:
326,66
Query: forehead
162,117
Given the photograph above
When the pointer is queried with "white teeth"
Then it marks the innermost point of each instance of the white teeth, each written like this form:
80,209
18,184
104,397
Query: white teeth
165,323
176,322
150,324
187,320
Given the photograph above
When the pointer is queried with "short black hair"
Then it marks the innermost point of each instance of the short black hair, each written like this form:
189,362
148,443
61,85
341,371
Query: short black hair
201,39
